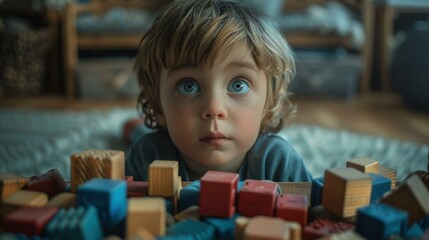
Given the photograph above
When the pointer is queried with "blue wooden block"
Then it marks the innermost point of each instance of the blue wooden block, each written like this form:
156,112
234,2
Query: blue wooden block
109,198
424,223
75,223
413,232
316,191
379,221
224,227
192,230
380,185
189,196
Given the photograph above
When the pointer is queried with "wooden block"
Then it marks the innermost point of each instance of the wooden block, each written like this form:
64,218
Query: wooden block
262,227
27,198
51,183
257,197
143,234
29,220
63,200
389,173
345,190
346,235
294,230
149,213
137,189
324,227
163,178
240,224
363,164
301,188
292,207
217,194
191,212
96,164
411,196
10,183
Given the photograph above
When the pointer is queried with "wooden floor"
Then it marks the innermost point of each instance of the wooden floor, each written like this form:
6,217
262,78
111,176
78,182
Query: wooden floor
374,114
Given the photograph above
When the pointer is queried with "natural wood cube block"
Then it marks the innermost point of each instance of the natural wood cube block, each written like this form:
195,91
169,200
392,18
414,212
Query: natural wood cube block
27,198
389,173
10,183
262,227
149,213
163,178
90,164
363,164
411,196
63,200
345,190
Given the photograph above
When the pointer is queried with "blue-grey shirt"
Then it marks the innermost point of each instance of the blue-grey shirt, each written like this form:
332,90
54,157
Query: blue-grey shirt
270,158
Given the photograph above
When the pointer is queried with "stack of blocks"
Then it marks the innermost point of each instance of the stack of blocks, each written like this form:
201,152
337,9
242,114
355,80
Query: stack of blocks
102,202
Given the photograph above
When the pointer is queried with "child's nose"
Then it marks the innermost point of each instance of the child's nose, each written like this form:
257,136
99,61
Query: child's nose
214,109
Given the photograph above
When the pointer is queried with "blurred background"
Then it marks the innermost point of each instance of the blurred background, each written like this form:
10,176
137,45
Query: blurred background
362,65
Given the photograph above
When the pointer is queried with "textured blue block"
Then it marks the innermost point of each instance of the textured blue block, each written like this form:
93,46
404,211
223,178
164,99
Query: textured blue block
379,221
225,227
192,230
189,196
380,185
109,198
75,223
316,191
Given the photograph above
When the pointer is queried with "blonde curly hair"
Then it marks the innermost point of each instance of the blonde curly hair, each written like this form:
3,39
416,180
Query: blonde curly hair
189,32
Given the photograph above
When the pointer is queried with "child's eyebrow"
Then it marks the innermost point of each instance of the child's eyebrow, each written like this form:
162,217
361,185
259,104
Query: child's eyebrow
243,64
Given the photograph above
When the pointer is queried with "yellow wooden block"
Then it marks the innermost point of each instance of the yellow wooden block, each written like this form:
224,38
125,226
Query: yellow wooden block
389,173
363,164
10,183
63,200
190,212
27,198
96,164
294,230
147,212
240,224
345,190
263,228
163,178
411,196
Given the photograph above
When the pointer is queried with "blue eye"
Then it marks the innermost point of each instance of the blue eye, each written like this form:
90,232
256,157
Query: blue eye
188,87
239,87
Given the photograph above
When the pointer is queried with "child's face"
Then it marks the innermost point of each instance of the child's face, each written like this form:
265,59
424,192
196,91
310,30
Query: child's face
213,114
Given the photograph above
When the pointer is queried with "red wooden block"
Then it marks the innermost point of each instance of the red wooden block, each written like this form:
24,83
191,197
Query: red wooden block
217,194
137,189
51,183
324,227
29,220
292,207
257,198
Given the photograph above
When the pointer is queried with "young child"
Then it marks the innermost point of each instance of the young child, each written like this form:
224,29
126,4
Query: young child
214,75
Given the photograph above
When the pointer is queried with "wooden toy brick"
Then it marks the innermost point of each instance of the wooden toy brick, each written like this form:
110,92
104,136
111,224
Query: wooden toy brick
10,183
51,183
380,185
75,223
257,197
129,179
240,224
380,221
108,196
26,198
345,190
146,212
323,227
189,195
163,178
63,200
224,227
137,189
363,164
29,220
191,212
96,164
263,227
217,194
294,230
143,234
389,173
300,188
316,191
415,203
191,229
424,176
292,207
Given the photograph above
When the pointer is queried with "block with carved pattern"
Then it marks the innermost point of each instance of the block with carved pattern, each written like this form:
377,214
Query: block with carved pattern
163,178
363,164
10,183
389,173
96,164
